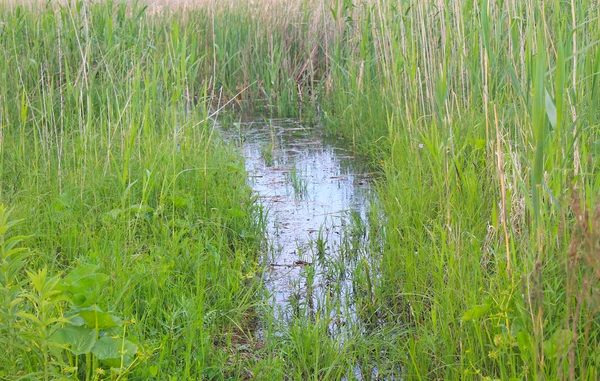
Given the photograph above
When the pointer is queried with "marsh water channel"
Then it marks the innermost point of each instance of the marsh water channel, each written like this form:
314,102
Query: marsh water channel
316,195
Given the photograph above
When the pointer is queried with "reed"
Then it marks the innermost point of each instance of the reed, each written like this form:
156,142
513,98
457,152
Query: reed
480,117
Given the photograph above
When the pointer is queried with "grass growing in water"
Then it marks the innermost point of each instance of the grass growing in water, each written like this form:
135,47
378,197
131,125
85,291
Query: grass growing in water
297,181
482,118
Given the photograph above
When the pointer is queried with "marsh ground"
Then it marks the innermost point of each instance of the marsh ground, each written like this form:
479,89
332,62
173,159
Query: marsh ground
139,247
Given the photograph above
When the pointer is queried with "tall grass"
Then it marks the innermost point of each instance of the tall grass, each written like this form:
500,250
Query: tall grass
481,116
109,158
488,114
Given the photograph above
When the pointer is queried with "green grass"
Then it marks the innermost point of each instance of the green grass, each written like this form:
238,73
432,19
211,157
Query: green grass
297,180
482,259
108,159
481,118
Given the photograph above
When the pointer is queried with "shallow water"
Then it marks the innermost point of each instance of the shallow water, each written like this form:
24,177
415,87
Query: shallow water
317,196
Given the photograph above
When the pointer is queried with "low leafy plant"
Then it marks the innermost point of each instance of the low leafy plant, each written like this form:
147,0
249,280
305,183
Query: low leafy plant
52,326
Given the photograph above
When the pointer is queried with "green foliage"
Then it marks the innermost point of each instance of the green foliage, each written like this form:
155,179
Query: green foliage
44,321
481,117
109,158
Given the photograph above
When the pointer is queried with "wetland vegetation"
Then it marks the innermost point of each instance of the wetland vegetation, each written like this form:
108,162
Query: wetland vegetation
135,244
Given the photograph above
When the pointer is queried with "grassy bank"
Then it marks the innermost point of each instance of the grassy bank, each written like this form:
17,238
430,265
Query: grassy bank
485,123
113,167
481,117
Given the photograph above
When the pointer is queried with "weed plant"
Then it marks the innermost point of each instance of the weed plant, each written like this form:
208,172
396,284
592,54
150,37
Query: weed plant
482,118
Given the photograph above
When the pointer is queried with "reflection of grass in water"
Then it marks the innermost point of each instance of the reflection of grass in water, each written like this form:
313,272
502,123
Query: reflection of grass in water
298,183
267,153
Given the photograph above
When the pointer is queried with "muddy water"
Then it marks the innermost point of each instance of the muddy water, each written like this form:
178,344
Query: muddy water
316,196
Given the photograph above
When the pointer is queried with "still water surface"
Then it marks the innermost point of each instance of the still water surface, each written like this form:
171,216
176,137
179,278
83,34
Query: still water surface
317,197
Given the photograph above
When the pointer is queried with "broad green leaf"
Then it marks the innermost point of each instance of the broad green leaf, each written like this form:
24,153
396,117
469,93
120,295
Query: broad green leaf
113,214
177,201
66,200
236,212
558,345
94,317
480,143
85,284
111,351
476,312
525,344
78,340
87,290
550,109
559,85
234,167
80,272
12,241
141,209
76,321
539,125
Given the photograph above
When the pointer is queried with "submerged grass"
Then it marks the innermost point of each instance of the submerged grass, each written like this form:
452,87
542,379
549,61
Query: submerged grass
481,116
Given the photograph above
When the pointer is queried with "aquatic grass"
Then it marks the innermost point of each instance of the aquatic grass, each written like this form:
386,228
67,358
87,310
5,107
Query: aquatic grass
316,356
297,181
267,153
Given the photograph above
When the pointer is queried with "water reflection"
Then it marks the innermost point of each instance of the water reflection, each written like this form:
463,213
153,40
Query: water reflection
313,191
